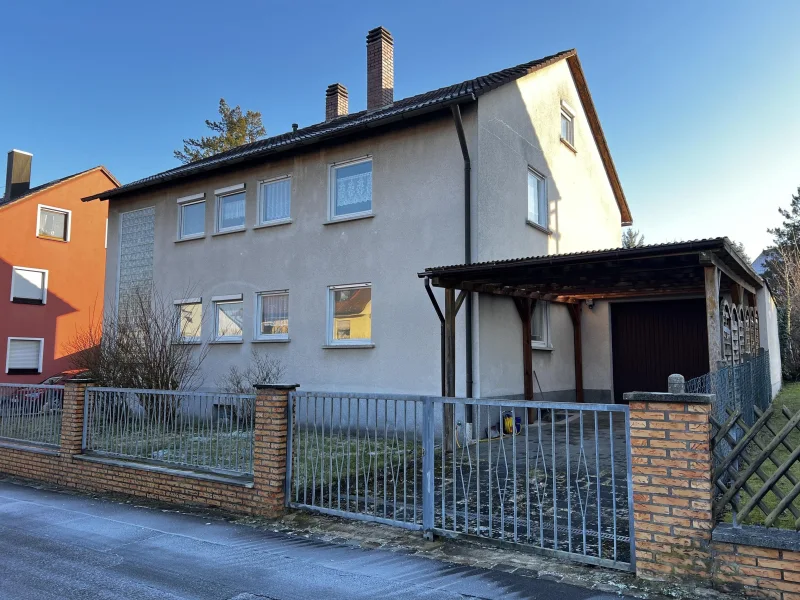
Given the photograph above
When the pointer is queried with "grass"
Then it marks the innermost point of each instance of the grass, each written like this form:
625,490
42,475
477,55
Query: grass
789,397
42,428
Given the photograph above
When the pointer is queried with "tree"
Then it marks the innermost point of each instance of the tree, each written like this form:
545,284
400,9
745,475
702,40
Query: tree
232,130
739,248
136,347
632,238
782,273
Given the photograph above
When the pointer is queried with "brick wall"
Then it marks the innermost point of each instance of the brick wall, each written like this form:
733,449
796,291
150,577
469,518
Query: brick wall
68,468
671,466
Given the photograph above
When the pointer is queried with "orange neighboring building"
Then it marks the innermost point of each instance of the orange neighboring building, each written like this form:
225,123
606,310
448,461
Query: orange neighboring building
52,267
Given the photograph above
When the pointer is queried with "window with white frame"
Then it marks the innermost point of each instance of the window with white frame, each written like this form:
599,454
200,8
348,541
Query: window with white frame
272,310
28,286
350,188
228,318
350,314
567,124
53,223
24,356
189,319
191,216
275,201
230,208
540,325
537,199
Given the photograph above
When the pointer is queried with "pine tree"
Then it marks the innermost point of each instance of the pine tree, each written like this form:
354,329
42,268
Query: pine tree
632,238
232,130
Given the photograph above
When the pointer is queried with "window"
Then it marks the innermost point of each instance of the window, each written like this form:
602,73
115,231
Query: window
53,223
228,318
350,314
191,216
351,189
230,208
24,356
190,319
567,124
275,201
540,325
28,286
537,199
273,316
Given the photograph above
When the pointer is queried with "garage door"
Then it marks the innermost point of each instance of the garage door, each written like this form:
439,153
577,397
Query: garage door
652,340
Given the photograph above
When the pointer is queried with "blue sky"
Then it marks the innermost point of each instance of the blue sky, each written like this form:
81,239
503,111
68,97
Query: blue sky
697,99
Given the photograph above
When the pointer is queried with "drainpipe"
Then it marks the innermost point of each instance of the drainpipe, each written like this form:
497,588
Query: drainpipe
456,110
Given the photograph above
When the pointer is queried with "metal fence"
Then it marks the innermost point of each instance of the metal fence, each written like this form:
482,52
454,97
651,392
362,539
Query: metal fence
741,387
203,431
31,413
551,476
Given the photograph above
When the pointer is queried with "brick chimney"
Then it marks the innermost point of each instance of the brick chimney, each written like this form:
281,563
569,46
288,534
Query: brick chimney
335,101
380,68
18,174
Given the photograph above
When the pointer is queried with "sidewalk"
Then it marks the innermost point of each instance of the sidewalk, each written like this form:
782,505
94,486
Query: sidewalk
62,546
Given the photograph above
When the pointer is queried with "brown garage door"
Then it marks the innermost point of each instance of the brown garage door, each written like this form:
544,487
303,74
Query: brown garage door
652,340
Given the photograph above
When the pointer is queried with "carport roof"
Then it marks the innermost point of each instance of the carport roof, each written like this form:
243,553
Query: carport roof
660,269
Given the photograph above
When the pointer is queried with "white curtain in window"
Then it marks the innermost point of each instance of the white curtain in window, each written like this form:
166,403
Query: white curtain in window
232,211
23,354
353,188
28,284
274,314
53,224
276,203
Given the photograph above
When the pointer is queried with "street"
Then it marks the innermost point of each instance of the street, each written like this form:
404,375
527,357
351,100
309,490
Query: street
63,546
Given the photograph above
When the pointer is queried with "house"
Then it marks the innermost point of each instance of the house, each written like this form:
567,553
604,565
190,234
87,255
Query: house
307,245
52,267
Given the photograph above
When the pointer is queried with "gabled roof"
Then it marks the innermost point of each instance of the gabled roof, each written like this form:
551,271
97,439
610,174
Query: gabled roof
406,109
49,184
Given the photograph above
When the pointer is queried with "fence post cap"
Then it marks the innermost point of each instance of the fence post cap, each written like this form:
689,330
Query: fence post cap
676,384
276,386
80,380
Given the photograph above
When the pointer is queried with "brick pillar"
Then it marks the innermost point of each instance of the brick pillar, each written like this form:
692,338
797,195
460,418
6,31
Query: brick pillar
269,452
672,483
72,416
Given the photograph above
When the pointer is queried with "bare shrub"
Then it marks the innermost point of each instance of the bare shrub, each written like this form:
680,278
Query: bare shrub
262,369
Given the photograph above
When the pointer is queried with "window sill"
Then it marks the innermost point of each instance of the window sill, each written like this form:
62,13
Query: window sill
187,342
350,218
280,340
52,239
542,348
347,346
190,238
541,228
276,223
237,341
568,145
227,231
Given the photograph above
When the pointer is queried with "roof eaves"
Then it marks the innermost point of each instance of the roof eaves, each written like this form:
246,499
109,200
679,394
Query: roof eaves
56,182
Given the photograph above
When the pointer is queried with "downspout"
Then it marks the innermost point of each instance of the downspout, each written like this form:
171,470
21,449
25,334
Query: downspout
456,110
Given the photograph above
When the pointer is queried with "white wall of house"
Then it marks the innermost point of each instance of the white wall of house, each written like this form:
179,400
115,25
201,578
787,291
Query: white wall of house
418,222
768,331
518,130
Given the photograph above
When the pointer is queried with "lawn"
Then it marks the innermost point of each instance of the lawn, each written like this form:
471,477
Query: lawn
789,518
39,428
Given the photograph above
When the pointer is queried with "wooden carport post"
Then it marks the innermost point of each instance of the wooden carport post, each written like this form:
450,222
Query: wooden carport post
525,308
712,276
575,315
451,307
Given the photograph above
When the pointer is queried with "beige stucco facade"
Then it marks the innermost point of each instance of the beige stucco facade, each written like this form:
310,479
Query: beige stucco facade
417,222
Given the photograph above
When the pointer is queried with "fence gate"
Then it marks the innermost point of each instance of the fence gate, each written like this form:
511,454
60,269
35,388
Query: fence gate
554,477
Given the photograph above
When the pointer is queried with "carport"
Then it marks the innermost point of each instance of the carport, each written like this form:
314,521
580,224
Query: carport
709,271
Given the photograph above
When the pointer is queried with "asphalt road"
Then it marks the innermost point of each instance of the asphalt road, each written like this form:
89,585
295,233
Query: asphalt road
63,546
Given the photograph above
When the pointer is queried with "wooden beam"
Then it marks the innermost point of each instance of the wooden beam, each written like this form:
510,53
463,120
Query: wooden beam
737,294
525,308
450,366
460,300
713,317
707,259
575,315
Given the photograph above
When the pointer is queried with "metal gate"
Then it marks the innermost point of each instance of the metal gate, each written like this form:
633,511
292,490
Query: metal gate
554,477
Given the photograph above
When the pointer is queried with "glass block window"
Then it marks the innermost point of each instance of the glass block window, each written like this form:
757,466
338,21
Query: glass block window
136,240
